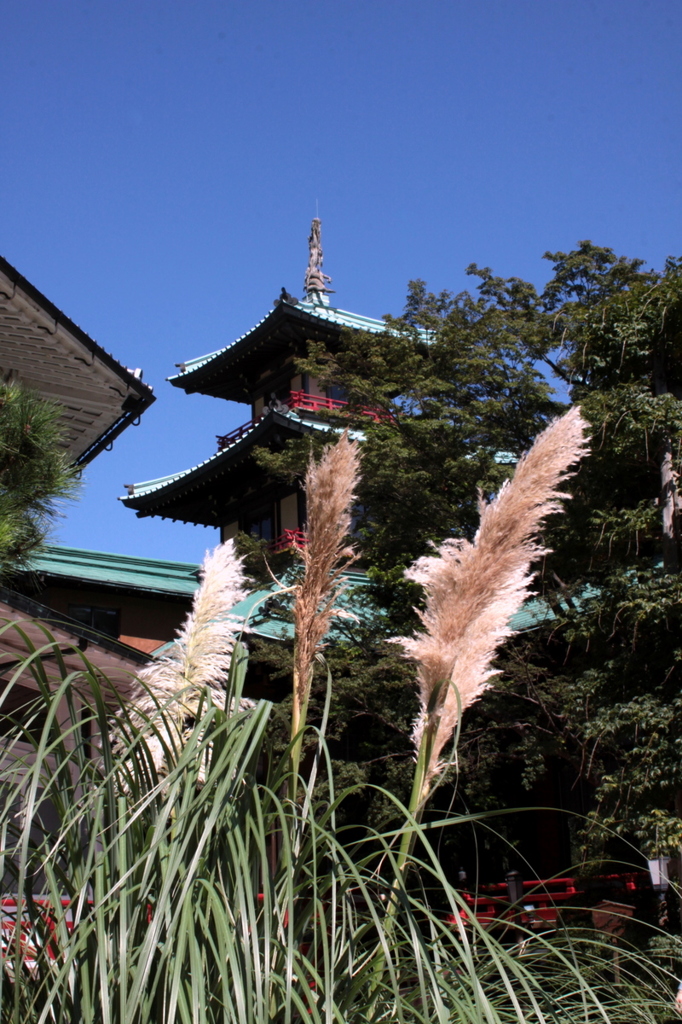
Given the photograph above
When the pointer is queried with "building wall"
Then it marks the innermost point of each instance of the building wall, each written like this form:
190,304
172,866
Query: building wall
287,516
289,512
229,531
315,389
145,622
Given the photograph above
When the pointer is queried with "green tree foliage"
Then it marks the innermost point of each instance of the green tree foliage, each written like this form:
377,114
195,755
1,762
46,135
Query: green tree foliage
595,690
35,473
618,560
586,712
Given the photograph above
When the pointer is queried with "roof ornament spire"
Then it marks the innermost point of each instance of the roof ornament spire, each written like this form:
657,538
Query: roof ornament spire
315,282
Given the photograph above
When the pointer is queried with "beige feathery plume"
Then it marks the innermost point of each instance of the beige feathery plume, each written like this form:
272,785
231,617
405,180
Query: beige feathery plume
473,589
330,489
200,657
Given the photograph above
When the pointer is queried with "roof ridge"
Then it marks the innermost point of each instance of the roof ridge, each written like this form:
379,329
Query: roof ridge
55,550
145,487
329,314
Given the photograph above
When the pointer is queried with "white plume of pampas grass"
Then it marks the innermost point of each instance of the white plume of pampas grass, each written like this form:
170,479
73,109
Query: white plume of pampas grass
473,589
197,664
330,489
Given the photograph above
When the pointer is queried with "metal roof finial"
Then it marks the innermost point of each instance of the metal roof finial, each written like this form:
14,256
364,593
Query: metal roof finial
315,282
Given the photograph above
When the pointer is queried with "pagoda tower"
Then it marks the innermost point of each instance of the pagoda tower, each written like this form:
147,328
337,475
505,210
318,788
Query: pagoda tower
229,490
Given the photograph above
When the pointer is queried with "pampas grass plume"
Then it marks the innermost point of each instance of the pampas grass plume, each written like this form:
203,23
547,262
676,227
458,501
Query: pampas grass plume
330,489
473,589
198,662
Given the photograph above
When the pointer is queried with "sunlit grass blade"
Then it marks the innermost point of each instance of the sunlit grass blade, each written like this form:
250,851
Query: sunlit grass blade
157,898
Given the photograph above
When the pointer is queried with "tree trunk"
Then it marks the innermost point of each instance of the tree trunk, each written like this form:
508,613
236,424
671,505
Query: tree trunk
678,812
668,498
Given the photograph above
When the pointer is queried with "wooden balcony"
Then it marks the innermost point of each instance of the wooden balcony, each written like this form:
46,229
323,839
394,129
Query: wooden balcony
319,403
288,540
299,401
227,440
314,403
542,900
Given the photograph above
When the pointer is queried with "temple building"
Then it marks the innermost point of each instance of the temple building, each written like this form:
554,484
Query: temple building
46,351
229,490
141,602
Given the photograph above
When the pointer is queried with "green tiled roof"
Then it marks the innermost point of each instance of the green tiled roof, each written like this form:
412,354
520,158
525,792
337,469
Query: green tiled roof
531,615
150,486
341,317
158,576
151,575
267,625
274,624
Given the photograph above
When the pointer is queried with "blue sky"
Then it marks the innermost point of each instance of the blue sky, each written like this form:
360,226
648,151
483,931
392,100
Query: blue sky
161,161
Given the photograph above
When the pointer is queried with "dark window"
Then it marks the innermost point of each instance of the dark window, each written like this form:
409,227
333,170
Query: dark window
337,393
22,705
302,511
104,620
260,524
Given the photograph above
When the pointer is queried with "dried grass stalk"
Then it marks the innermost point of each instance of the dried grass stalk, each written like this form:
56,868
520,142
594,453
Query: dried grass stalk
473,589
330,490
198,663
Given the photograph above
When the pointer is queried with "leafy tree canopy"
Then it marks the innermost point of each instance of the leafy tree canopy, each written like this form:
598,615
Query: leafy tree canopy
459,386
618,556
596,689
457,400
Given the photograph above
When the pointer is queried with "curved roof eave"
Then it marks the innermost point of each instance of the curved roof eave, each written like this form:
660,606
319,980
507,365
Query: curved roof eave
194,370
46,350
141,495
118,662
103,568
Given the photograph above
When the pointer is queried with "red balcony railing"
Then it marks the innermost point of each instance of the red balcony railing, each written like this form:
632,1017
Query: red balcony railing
318,403
541,902
288,539
299,400
313,403
227,440
17,930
